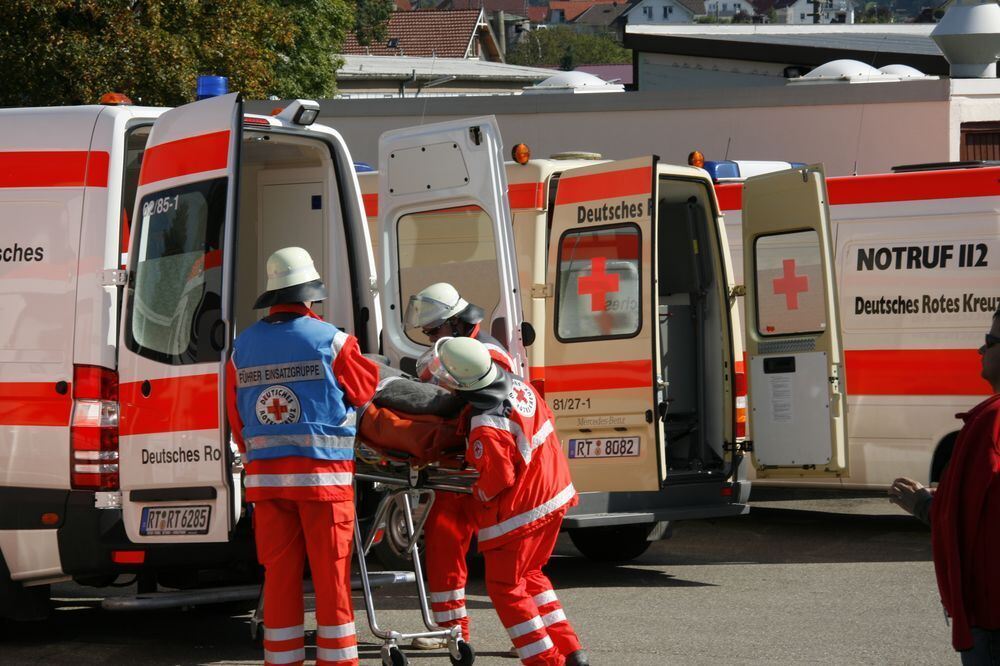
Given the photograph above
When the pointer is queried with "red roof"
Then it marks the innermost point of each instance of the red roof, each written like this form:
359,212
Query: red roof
538,14
441,33
519,7
573,8
403,5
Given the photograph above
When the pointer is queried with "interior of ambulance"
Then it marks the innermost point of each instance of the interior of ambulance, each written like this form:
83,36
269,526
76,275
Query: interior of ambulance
693,343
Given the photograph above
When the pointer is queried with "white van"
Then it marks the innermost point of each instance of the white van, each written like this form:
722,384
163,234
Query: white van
133,250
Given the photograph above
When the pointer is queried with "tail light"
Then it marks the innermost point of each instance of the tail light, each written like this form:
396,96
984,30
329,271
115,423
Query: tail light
741,404
94,430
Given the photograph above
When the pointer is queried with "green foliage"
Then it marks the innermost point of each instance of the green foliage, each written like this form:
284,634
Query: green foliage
566,48
72,51
371,20
873,13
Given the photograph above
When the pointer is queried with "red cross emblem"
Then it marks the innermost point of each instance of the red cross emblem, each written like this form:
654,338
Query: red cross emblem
791,284
277,409
598,284
521,395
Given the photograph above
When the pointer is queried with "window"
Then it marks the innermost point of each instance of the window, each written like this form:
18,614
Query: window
647,12
789,283
667,11
598,288
454,245
802,17
175,289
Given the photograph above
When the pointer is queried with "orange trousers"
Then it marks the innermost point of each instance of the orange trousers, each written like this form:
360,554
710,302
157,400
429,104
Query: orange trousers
447,537
286,532
525,601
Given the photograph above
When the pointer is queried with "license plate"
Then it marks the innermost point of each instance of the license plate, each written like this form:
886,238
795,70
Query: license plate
612,447
175,520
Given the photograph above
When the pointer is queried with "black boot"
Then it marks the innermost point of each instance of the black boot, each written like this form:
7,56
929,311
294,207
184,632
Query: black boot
578,658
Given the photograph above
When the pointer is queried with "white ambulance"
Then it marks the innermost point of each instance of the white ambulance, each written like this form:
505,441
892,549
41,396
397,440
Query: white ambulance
918,274
634,335
133,249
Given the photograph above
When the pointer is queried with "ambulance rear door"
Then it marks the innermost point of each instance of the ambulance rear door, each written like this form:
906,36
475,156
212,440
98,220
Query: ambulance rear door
176,478
798,408
600,340
445,217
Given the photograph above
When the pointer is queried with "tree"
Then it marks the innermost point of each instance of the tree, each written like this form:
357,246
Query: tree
563,46
72,51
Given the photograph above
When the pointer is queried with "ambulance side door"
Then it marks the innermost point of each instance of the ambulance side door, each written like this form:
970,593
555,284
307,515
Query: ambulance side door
600,340
444,217
795,357
176,478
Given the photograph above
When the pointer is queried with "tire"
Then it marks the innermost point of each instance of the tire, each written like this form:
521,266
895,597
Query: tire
395,657
20,603
391,551
614,543
467,656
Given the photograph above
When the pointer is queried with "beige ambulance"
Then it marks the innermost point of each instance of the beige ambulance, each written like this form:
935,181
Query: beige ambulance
633,335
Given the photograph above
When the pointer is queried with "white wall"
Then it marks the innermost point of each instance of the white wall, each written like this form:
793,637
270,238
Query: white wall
850,126
637,16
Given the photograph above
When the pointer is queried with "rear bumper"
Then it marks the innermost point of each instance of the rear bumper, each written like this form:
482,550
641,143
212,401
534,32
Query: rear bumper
691,501
89,536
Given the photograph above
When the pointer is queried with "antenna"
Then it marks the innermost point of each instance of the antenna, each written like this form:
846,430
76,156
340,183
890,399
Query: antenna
728,142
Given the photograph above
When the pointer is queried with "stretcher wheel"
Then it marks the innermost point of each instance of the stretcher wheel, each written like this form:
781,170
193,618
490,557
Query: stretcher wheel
394,657
467,656
257,632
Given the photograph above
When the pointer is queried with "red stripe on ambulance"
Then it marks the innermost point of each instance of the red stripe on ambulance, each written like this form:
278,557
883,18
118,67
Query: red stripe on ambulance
34,404
885,188
914,372
371,204
174,404
54,168
196,154
598,376
526,195
624,183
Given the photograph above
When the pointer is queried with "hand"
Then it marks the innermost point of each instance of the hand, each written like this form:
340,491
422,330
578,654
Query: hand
907,493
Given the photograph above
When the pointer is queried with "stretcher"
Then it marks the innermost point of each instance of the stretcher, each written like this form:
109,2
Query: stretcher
406,482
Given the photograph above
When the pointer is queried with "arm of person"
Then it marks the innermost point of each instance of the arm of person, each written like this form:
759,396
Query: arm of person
232,412
490,451
357,375
913,497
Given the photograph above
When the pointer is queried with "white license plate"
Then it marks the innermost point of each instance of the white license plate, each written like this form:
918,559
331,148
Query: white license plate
174,520
611,447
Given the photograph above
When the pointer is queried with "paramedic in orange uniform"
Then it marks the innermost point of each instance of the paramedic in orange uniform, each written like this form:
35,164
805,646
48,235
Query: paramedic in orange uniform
440,311
292,386
523,491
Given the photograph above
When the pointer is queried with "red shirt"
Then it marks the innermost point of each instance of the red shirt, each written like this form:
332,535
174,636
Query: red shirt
965,525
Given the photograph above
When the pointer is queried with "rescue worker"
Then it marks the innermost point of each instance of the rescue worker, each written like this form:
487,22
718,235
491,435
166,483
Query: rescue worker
292,385
440,311
523,491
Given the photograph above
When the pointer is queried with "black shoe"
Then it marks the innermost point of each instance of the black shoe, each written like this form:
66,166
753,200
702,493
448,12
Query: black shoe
578,658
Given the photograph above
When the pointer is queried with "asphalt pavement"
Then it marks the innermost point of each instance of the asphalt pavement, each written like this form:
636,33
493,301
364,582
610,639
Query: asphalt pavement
798,581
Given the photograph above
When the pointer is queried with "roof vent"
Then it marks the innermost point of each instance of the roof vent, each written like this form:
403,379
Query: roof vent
904,72
843,71
969,37
573,82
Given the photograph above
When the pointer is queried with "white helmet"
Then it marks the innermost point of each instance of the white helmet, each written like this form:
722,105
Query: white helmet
434,305
291,278
462,364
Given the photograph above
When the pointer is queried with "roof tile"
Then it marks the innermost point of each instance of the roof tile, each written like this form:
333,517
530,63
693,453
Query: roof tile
441,33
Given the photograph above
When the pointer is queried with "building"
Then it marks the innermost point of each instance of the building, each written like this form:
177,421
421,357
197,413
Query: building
460,33
659,12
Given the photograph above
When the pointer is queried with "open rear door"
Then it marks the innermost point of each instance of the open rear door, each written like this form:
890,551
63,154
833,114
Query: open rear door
175,459
444,217
798,410
599,347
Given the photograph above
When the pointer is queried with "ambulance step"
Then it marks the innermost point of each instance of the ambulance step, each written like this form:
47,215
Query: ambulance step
221,595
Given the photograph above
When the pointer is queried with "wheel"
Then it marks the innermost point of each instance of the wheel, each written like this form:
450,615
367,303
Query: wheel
391,550
394,657
467,656
614,543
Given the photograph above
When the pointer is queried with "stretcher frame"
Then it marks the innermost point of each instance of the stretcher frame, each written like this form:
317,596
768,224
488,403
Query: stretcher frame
407,485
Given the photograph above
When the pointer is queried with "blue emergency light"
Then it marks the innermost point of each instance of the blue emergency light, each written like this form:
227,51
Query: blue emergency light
361,167
211,86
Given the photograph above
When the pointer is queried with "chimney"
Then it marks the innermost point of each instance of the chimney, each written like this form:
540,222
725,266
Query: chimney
969,37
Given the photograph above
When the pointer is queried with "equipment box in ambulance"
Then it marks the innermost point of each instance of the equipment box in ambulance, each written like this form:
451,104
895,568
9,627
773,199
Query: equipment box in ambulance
134,250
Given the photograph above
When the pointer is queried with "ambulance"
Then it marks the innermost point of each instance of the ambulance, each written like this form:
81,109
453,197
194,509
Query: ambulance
633,336
133,249
918,275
